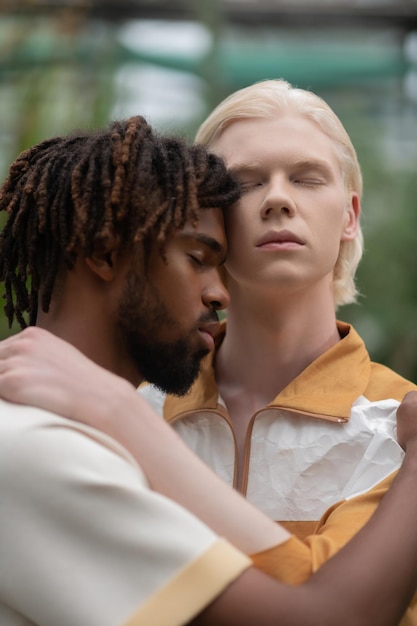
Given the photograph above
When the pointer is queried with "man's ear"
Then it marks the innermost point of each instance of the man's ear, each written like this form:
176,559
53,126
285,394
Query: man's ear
104,259
353,211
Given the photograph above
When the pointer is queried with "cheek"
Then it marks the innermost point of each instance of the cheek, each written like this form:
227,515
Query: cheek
171,285
333,215
330,240
183,287
237,251
239,227
238,215
239,260
178,293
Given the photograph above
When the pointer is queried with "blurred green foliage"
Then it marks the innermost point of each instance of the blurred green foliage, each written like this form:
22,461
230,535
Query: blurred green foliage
49,84
60,72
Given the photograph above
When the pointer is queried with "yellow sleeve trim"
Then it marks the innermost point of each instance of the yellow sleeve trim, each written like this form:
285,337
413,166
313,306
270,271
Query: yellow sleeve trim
194,587
288,562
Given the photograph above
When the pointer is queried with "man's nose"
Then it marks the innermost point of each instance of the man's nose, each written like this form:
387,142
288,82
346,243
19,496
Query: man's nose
278,198
215,294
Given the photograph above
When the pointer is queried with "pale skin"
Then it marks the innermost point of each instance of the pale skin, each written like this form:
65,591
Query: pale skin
115,320
36,367
279,291
370,581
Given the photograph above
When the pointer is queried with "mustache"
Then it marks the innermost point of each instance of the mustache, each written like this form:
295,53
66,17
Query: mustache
208,318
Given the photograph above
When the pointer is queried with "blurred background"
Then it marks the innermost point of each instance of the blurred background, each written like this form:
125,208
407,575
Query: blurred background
80,63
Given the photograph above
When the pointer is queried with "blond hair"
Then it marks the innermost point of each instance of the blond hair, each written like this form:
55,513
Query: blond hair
267,98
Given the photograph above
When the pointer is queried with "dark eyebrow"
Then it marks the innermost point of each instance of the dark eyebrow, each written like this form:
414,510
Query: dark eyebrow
209,242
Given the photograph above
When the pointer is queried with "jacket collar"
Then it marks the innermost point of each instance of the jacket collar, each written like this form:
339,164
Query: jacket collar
326,388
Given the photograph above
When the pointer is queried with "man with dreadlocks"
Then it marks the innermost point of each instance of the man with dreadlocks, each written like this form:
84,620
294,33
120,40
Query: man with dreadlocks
94,203
120,235
113,242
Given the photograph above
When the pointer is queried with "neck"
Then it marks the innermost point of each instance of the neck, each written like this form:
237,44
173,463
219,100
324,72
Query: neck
270,339
269,342
89,333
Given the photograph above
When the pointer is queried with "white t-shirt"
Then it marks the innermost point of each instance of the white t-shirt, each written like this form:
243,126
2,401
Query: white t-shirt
85,542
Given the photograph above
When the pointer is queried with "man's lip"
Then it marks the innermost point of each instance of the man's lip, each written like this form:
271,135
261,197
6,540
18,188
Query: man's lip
208,332
211,328
281,236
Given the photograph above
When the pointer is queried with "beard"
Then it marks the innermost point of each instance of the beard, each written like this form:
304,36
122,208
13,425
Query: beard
172,366
169,366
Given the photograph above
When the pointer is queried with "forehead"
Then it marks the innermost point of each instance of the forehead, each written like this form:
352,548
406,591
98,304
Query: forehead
209,230
285,137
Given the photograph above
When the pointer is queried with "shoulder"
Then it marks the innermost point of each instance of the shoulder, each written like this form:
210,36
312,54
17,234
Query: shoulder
48,463
381,381
73,501
42,445
386,383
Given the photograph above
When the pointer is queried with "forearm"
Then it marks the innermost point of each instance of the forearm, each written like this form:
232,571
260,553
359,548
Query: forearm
370,581
376,572
109,403
293,562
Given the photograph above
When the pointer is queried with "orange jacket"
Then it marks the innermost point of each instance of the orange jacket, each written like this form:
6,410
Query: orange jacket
318,459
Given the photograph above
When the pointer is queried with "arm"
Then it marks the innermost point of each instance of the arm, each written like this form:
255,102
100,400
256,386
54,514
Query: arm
356,586
294,562
36,369
85,542
360,585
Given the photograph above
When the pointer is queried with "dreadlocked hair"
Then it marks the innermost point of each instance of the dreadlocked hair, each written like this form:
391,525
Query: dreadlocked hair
66,196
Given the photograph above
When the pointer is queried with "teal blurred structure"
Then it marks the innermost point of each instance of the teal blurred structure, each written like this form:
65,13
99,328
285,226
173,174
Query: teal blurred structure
65,64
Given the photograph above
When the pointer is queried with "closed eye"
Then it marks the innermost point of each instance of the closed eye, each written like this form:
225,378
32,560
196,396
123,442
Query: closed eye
311,174
249,185
308,182
196,260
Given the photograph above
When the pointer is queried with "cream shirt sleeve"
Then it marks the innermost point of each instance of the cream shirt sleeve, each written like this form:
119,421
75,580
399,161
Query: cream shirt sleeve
85,542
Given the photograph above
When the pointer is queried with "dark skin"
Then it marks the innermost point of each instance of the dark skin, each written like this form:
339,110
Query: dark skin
321,591
370,581
354,587
357,586
84,309
339,598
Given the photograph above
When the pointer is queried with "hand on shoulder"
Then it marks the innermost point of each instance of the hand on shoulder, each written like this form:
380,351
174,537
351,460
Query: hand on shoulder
39,369
407,421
